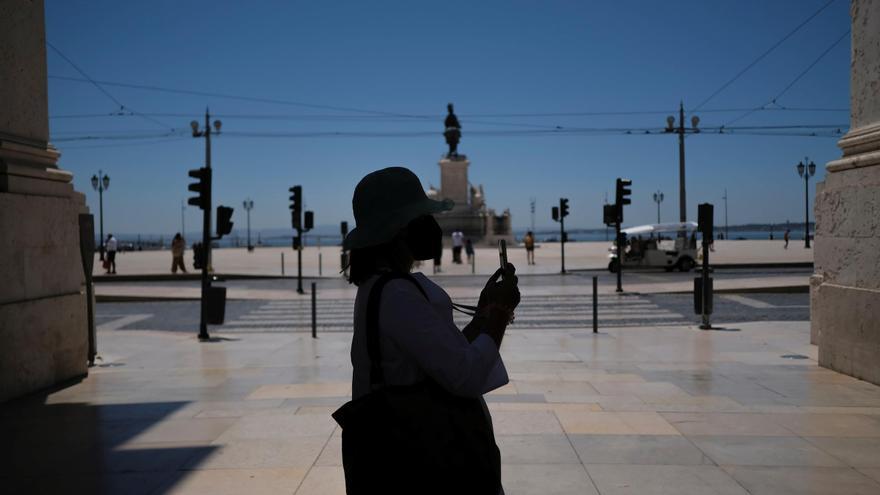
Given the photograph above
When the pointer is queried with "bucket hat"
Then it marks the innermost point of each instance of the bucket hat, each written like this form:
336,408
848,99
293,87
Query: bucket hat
384,202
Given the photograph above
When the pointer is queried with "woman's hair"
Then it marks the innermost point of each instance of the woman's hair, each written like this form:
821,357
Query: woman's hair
365,262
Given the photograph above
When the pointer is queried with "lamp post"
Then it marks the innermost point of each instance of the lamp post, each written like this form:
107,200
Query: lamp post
101,183
726,232
658,198
183,218
532,203
206,221
806,171
681,130
248,206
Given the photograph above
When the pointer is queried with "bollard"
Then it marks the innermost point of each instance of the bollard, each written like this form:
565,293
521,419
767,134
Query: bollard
314,312
282,264
474,264
319,264
595,304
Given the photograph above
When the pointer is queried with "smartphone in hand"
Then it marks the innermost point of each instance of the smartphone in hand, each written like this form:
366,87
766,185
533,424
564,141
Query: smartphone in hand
502,252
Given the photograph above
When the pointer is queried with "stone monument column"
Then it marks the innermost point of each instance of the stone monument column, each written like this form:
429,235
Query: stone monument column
845,289
43,312
454,181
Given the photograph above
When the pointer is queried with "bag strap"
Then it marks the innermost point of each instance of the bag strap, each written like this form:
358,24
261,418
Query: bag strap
377,376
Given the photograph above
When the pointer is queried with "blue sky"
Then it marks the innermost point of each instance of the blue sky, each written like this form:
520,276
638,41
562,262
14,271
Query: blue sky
490,58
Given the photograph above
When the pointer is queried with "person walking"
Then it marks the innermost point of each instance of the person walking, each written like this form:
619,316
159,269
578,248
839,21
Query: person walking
529,242
411,362
178,246
110,246
469,250
457,244
786,237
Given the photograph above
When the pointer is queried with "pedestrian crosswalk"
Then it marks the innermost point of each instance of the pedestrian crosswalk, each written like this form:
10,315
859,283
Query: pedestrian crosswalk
534,312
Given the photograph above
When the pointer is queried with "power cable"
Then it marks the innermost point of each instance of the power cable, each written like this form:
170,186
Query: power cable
810,130
101,88
762,56
242,98
774,99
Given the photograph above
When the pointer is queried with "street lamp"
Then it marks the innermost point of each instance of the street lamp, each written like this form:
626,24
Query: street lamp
681,130
658,198
248,206
101,183
726,231
806,171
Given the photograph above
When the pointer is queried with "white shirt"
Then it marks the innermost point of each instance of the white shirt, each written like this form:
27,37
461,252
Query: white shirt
457,238
419,337
111,244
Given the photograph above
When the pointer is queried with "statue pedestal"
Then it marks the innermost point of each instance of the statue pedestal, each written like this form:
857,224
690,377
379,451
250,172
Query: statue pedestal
454,181
470,216
43,312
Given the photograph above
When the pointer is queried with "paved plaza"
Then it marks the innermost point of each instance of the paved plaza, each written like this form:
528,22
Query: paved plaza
650,405
578,256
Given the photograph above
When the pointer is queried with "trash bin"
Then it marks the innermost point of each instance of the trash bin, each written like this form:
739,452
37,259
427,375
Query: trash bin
216,305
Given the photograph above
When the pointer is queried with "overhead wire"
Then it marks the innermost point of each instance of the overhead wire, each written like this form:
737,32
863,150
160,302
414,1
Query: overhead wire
762,55
771,130
255,99
774,99
102,89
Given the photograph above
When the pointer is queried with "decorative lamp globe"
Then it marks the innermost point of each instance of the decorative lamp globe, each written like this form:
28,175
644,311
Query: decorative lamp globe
95,182
800,169
106,182
812,168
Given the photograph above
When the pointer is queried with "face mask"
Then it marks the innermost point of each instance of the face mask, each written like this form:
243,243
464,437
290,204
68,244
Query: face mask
424,237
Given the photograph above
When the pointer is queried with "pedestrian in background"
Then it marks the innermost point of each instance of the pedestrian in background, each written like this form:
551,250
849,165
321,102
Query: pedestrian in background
786,236
469,250
457,243
529,243
438,256
178,245
110,246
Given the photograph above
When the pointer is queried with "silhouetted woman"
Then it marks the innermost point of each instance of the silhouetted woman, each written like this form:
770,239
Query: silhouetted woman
419,348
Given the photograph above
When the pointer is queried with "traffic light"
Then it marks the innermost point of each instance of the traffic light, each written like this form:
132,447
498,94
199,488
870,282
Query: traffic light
554,212
309,221
202,188
224,220
609,214
563,207
343,228
705,214
198,256
623,192
296,206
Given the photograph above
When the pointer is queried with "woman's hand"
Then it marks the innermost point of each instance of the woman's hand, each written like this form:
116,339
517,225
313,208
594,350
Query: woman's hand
498,300
502,289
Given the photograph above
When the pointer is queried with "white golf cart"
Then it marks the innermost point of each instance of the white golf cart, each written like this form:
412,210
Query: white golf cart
669,246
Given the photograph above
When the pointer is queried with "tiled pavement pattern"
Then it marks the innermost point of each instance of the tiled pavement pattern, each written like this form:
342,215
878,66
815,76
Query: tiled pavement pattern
535,312
632,410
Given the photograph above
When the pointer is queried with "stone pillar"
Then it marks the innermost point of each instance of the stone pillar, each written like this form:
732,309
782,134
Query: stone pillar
845,299
454,181
43,313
